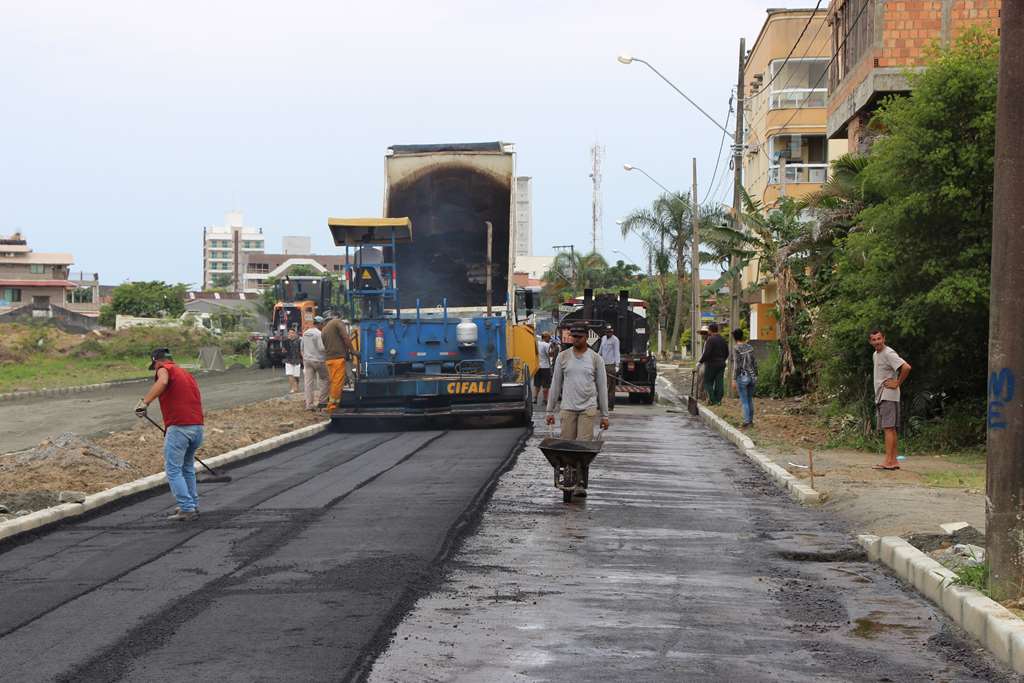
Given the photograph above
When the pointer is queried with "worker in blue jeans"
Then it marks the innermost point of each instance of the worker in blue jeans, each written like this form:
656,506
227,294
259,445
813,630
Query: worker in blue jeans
744,380
182,408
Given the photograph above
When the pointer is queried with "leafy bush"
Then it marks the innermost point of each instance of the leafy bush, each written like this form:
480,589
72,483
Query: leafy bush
107,316
768,385
90,348
183,342
154,299
960,428
917,265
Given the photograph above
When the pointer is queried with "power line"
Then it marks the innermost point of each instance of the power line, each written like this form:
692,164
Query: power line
793,49
824,73
721,146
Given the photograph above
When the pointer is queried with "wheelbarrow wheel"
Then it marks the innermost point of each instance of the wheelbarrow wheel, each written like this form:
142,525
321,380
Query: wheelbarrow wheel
566,495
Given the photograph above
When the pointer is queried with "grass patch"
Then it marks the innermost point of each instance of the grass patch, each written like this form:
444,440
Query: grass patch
975,577
950,479
44,372
48,372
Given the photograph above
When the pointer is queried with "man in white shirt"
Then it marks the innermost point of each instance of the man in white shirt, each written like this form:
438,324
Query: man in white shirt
578,378
890,371
542,378
610,355
314,359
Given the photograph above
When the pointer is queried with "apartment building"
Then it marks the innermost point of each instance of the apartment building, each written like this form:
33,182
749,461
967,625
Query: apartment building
226,249
875,42
235,258
785,91
32,278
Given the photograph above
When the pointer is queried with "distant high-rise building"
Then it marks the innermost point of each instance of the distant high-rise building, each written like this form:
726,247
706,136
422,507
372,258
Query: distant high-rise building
523,217
225,252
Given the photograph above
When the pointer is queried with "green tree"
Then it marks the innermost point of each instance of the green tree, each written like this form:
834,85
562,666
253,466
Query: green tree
153,299
222,281
667,222
570,273
917,263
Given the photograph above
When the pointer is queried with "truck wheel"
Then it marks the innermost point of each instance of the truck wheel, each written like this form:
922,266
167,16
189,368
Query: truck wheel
526,419
262,356
566,496
650,398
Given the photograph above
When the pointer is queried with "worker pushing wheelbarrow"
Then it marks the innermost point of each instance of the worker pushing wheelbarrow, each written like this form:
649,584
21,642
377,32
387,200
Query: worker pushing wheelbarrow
579,382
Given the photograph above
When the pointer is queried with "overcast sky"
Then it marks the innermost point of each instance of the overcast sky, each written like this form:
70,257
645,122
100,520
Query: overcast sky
125,127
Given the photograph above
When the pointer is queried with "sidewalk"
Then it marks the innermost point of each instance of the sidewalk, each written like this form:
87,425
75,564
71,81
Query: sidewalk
925,492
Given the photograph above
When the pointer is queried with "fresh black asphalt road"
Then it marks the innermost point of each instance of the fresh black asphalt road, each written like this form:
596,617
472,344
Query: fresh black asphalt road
683,564
335,559
296,571
25,422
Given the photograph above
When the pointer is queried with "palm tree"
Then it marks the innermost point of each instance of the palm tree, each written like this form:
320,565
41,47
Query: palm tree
666,228
570,273
781,237
841,199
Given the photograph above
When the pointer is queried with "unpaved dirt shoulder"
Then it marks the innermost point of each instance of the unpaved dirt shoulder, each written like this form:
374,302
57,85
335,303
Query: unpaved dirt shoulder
138,452
869,501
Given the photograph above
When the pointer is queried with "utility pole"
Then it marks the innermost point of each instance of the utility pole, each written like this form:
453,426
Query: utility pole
695,267
1004,509
737,205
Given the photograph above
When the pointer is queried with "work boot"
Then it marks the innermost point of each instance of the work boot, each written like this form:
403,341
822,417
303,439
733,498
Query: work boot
181,516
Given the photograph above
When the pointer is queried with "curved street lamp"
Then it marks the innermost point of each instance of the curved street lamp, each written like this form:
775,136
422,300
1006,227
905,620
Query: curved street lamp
629,59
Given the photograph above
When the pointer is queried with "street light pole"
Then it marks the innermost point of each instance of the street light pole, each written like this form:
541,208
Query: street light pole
1004,490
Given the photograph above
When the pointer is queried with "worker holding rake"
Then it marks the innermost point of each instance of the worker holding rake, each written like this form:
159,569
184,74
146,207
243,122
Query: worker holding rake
182,409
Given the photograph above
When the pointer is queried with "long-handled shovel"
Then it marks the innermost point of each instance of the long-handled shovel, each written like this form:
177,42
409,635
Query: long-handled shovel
213,477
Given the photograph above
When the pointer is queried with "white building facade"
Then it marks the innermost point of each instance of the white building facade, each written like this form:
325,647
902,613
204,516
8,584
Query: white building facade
225,252
522,216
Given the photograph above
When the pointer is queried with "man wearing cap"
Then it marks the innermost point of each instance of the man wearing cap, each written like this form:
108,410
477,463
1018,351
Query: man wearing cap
337,350
316,381
578,376
182,409
609,351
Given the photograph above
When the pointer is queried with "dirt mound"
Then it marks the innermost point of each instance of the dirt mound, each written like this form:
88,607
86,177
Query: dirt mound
62,462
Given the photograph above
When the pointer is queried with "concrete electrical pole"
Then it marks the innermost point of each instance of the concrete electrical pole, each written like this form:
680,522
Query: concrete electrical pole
695,267
737,204
1004,511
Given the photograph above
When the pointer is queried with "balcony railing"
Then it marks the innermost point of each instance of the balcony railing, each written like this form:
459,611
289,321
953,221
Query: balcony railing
800,173
793,98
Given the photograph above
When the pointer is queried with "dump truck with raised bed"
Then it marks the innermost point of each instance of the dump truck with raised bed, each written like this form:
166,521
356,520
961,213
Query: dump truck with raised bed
429,288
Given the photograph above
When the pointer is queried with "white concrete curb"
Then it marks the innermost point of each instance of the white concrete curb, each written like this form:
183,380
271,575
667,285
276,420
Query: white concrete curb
797,489
50,515
993,625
